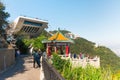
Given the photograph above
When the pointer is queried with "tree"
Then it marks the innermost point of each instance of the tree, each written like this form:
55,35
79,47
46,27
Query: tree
3,18
24,43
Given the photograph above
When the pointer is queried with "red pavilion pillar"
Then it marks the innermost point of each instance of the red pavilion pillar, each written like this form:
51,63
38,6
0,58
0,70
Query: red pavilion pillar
67,50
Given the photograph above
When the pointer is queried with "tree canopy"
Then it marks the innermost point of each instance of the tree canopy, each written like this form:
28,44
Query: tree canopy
24,42
3,18
36,42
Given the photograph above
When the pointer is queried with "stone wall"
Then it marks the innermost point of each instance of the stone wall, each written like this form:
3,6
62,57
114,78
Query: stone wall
50,72
7,58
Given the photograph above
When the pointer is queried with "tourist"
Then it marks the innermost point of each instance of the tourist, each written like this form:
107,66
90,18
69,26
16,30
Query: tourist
75,55
17,53
83,56
40,53
36,58
80,55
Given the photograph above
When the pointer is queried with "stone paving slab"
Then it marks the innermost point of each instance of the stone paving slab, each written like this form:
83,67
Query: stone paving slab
23,70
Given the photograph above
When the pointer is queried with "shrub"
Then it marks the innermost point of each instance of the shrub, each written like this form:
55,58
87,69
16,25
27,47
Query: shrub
58,63
79,73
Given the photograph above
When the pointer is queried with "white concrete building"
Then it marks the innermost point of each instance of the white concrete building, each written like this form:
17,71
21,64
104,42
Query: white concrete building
71,35
31,26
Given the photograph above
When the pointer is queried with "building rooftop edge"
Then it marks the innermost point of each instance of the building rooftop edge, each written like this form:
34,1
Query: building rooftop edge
36,19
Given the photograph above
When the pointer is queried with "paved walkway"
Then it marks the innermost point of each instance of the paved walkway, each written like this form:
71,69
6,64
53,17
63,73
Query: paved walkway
22,70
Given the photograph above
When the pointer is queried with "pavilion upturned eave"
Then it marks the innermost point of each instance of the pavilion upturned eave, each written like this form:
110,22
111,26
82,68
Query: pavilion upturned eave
57,41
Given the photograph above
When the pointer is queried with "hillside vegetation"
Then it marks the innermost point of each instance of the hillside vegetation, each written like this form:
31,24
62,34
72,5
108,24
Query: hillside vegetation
107,57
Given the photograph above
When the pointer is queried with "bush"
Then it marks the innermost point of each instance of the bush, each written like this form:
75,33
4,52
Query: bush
79,73
58,63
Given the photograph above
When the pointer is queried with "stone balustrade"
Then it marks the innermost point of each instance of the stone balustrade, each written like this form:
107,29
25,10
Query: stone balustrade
77,62
95,62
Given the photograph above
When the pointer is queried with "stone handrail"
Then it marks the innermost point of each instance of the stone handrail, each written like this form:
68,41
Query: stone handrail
50,72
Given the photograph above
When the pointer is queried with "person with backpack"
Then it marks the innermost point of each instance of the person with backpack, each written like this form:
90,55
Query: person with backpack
36,58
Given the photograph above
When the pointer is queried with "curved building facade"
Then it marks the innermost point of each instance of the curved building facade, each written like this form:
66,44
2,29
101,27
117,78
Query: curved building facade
30,26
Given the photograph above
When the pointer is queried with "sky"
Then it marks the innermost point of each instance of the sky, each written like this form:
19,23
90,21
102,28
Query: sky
95,20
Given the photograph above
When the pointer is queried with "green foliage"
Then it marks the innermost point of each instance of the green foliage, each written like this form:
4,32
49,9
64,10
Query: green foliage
45,33
79,73
82,45
116,76
58,63
36,42
108,58
3,18
88,73
24,41
21,45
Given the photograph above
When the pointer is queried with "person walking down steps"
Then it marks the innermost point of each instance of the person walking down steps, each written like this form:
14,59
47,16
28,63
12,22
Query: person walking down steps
40,53
36,58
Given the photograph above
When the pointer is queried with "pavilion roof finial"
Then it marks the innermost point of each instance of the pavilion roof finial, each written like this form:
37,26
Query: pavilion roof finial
58,29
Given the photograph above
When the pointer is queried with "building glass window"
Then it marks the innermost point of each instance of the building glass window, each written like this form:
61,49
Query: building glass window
33,23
